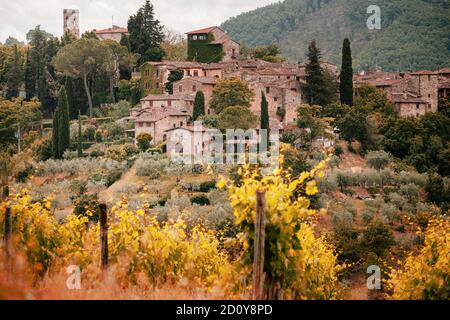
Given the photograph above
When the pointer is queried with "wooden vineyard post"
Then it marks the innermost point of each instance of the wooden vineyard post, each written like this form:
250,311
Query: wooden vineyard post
104,236
260,235
7,238
5,193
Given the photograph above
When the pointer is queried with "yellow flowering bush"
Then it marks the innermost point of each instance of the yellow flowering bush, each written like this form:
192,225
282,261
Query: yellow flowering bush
296,261
426,276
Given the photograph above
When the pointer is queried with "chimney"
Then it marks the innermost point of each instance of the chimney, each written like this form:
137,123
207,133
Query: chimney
405,95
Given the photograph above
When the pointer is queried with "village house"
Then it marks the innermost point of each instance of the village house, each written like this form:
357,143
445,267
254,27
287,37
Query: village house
195,84
156,121
413,93
211,45
115,33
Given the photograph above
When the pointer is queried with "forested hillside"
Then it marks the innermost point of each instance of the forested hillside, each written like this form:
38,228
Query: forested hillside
414,34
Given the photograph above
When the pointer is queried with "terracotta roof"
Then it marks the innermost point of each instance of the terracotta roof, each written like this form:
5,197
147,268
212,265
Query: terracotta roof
112,30
423,72
164,97
444,85
152,115
443,70
203,80
407,98
277,71
201,31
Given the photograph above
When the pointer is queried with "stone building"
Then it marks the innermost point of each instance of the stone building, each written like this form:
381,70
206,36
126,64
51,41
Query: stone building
193,85
115,33
211,45
72,21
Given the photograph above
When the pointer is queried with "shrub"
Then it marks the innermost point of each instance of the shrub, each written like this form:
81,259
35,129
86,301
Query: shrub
342,217
151,167
367,215
43,149
378,159
88,133
348,244
143,141
377,238
373,190
201,200
410,191
113,131
338,151
87,206
406,241
207,186
23,175
399,201
390,212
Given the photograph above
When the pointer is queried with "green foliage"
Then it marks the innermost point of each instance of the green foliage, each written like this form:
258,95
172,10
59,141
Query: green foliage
143,141
174,76
237,117
201,200
145,34
318,87
231,92
377,238
63,122
81,59
199,105
407,26
14,76
204,51
378,159
264,113
346,83
270,53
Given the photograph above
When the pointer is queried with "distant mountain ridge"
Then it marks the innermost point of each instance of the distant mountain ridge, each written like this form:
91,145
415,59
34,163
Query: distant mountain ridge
414,34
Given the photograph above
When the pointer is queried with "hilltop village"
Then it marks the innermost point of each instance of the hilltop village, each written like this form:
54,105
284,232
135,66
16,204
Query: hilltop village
413,94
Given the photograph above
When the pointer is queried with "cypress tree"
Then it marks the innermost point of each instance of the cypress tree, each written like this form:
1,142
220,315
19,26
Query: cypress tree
30,78
318,88
70,98
265,115
55,135
63,121
79,143
199,105
14,76
346,85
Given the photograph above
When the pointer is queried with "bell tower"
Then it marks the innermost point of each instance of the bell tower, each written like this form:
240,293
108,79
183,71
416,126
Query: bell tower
72,21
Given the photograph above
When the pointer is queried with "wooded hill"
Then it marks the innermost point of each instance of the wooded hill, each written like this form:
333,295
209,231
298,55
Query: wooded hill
414,34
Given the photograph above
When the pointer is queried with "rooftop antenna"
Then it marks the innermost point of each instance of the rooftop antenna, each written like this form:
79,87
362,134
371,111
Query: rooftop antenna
112,21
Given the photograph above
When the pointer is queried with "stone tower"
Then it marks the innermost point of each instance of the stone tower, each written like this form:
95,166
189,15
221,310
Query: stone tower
72,21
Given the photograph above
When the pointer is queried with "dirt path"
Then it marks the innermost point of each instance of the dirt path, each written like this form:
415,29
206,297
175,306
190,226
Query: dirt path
130,176
358,289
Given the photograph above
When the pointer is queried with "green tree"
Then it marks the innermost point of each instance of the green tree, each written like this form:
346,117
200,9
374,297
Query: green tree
55,135
199,105
63,122
174,76
264,112
378,159
16,112
121,59
317,87
80,137
237,117
80,60
146,34
346,84
73,110
40,78
231,92
15,75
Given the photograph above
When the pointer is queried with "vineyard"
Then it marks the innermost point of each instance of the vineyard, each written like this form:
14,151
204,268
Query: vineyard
155,254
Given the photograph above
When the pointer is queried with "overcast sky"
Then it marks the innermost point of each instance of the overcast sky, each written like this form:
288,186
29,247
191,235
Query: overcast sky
19,16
